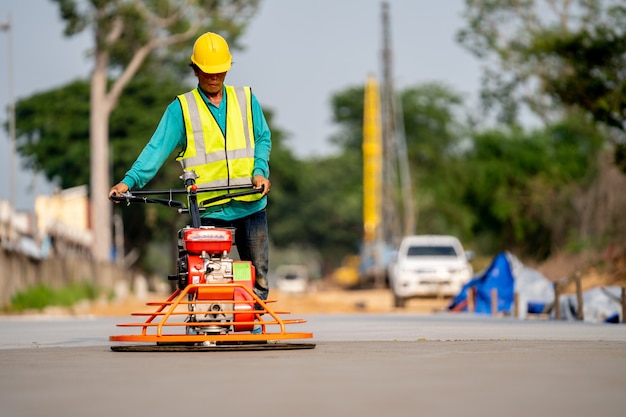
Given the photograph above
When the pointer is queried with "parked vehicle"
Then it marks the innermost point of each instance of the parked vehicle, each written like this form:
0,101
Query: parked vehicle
429,265
292,278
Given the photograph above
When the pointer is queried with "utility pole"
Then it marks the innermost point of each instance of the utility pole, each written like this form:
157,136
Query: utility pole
390,226
9,29
398,206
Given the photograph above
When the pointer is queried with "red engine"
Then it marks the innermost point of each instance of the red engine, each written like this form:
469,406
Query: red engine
212,240
204,259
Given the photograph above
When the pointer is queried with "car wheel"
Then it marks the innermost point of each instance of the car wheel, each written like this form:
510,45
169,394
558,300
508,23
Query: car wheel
398,301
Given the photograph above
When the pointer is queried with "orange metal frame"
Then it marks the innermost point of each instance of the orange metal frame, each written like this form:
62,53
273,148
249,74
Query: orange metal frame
174,314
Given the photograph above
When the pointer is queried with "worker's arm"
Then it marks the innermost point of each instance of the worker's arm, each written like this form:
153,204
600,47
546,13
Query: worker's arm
262,148
169,135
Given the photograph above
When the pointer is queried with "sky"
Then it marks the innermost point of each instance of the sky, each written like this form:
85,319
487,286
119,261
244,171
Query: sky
298,54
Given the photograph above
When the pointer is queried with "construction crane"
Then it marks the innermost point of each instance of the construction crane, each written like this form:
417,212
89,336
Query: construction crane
372,254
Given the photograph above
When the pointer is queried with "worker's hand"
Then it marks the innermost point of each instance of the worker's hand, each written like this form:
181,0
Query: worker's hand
117,190
260,181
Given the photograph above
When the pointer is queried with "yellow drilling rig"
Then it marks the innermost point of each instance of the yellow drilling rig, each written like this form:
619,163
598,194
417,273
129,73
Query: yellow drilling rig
388,205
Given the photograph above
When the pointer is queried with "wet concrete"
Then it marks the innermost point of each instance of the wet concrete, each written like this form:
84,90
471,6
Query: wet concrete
363,365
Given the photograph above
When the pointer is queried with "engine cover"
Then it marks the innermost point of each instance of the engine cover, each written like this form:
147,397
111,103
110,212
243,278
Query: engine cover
209,239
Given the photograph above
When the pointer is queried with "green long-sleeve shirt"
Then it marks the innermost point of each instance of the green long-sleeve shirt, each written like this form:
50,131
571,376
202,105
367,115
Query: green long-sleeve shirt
170,135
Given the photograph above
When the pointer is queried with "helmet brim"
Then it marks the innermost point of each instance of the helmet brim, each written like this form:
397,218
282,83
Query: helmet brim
212,69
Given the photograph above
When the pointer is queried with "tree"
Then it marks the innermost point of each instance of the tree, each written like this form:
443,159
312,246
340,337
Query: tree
283,214
126,33
502,188
521,66
433,136
331,206
53,126
52,130
558,58
431,120
589,72
520,184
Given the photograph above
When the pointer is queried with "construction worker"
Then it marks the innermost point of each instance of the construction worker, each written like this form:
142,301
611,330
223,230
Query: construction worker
223,136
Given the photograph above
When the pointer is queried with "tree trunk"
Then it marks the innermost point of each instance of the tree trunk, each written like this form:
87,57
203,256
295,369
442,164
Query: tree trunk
99,175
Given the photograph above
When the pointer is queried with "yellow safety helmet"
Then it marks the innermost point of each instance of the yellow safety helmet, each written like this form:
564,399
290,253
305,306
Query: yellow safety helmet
211,54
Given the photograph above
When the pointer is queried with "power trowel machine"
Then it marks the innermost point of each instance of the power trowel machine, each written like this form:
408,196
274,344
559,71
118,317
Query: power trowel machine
213,306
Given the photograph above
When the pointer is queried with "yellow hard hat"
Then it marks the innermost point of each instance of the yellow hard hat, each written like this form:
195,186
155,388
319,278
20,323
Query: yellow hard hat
211,54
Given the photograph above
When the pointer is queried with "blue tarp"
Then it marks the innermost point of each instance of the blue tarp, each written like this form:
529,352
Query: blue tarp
499,276
535,294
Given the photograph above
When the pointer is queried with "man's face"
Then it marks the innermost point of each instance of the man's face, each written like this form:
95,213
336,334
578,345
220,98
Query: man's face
210,83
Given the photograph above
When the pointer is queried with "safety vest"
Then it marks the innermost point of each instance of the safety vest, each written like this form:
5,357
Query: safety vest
219,160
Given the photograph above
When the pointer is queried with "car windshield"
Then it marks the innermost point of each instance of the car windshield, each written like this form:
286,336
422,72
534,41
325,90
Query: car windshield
442,250
291,275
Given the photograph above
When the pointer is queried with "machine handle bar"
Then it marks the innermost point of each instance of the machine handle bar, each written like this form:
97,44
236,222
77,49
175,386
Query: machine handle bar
133,197
185,191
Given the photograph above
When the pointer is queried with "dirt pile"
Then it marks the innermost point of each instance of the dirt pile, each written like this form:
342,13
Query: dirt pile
594,269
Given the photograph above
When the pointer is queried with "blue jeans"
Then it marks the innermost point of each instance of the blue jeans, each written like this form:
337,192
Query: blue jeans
252,241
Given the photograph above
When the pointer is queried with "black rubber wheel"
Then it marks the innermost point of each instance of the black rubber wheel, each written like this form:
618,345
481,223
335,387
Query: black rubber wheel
398,301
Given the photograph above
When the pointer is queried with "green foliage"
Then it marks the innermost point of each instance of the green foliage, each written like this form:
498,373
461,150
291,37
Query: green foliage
573,52
53,133
521,182
588,71
434,137
127,36
497,32
285,199
347,109
432,129
53,127
122,28
132,125
74,22
332,205
430,116
134,120
498,188
41,296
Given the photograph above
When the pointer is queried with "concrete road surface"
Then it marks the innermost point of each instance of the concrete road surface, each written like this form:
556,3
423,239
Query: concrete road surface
363,365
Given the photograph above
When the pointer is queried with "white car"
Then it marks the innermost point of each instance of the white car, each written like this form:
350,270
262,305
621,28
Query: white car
292,278
429,265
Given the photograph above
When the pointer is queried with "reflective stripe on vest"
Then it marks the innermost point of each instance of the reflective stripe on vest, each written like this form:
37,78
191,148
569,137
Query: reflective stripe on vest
217,160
